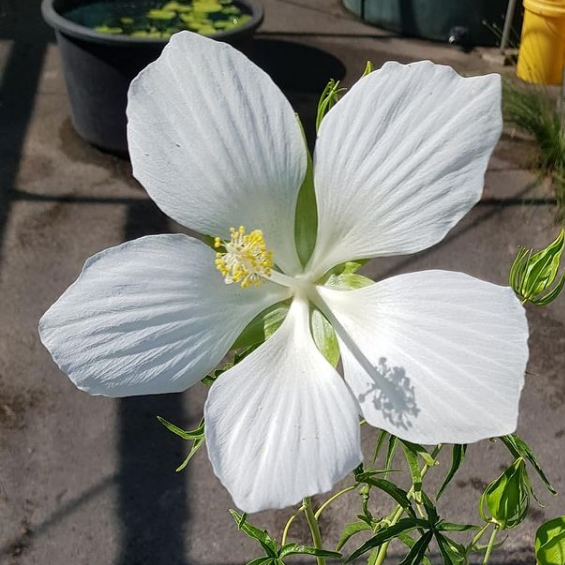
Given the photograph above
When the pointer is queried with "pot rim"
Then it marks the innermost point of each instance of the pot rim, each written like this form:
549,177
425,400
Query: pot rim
67,27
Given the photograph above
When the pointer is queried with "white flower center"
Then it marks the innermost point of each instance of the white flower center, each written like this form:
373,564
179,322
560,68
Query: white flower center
246,259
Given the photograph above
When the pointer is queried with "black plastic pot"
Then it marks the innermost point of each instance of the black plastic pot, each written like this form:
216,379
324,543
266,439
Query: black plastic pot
464,22
99,67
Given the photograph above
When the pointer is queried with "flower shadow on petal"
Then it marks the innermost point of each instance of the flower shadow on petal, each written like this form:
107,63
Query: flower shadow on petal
392,394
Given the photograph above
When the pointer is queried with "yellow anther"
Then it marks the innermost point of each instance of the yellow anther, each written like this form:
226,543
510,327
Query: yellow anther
246,260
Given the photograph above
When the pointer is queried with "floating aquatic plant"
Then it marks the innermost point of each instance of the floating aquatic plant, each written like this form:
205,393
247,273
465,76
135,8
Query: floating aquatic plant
160,20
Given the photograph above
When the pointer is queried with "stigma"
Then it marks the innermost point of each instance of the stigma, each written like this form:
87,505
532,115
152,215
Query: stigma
246,259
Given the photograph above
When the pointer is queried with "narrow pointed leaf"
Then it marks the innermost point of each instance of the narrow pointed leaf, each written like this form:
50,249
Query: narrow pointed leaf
519,448
404,525
184,434
350,530
457,458
415,472
416,554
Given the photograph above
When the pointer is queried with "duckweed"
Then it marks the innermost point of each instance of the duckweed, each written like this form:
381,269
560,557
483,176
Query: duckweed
159,20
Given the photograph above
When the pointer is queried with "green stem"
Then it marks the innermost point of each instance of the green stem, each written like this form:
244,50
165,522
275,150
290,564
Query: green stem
398,511
289,523
332,498
314,527
479,535
490,545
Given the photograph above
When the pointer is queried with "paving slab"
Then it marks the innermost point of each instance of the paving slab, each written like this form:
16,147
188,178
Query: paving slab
87,480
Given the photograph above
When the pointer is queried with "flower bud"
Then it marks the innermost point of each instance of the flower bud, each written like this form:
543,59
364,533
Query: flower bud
532,274
508,497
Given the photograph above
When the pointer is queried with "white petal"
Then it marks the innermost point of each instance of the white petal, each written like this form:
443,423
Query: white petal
282,424
147,317
216,144
401,159
434,357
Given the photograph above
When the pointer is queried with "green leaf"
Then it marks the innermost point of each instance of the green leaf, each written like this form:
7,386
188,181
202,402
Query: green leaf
422,452
416,554
261,536
294,549
404,525
391,450
519,448
409,541
350,530
324,337
328,99
415,472
457,458
550,542
452,553
450,527
197,433
430,508
262,326
197,444
260,561
306,218
398,494
368,69
380,442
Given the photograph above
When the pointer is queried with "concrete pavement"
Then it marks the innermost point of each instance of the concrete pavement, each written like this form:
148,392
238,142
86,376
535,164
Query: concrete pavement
88,480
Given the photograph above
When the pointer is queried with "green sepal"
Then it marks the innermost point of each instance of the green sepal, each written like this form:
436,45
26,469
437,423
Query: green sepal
550,542
544,265
457,458
306,216
348,281
295,549
551,295
508,497
519,448
324,337
532,273
262,536
350,530
387,534
263,326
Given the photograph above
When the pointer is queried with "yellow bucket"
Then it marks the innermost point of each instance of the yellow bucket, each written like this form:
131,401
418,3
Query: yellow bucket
542,48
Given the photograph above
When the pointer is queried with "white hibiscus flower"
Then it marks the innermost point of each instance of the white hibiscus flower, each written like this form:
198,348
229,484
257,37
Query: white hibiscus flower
431,356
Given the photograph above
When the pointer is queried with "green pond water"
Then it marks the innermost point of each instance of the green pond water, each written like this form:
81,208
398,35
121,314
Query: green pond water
159,19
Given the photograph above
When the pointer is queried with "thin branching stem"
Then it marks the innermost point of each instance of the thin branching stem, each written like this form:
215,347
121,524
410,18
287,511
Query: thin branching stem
398,511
